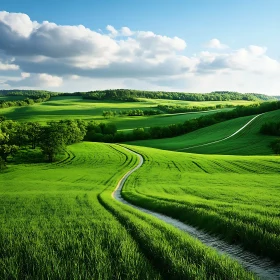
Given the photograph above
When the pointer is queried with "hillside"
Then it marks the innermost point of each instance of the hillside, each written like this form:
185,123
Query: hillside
248,142
75,107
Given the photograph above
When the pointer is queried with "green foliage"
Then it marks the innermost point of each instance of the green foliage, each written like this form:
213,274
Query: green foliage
271,128
134,95
31,97
52,141
173,109
275,146
2,164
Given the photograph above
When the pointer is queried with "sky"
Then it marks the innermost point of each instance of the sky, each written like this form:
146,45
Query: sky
178,45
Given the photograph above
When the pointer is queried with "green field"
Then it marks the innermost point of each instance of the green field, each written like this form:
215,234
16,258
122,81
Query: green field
66,107
234,197
58,221
248,142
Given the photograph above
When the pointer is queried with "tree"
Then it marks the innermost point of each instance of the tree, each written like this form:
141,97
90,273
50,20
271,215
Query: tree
33,133
7,150
275,146
52,141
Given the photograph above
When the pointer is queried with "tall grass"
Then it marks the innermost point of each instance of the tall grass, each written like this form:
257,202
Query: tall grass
59,222
234,197
53,227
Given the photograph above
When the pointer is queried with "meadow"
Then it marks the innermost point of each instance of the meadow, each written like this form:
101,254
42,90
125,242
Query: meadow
69,107
248,142
58,221
234,197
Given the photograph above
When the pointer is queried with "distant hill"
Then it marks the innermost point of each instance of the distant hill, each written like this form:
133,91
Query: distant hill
134,95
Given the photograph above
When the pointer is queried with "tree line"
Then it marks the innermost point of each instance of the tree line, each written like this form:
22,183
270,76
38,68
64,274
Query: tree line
50,139
163,109
133,95
173,109
131,113
29,100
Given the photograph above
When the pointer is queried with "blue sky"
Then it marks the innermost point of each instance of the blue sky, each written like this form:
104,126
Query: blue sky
233,25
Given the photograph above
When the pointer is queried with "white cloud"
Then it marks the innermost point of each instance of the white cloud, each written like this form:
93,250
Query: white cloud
112,30
215,44
5,67
47,54
37,80
125,31
25,75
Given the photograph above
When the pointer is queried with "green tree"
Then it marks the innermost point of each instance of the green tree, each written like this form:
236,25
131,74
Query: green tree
275,146
52,141
33,133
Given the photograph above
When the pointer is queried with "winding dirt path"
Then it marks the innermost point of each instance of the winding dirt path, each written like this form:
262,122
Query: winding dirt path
223,139
263,268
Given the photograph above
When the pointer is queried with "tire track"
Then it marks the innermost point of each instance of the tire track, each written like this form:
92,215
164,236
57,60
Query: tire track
263,268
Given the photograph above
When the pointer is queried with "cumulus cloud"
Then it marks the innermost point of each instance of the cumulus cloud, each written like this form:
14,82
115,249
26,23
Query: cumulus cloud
125,31
5,67
37,80
46,54
215,44
112,30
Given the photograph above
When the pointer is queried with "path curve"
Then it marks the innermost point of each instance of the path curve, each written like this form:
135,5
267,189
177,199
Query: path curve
262,267
217,141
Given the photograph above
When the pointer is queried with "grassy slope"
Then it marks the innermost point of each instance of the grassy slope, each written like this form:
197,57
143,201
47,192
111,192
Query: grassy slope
75,107
55,223
247,142
201,136
233,196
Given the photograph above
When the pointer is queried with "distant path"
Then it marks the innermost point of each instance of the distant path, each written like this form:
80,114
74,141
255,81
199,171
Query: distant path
217,141
264,268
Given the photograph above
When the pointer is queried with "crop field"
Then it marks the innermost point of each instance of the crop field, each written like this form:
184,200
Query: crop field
234,197
248,142
76,108
59,221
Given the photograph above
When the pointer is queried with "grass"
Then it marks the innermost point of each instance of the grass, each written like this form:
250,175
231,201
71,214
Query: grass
248,142
69,107
234,197
58,221
201,136
52,225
